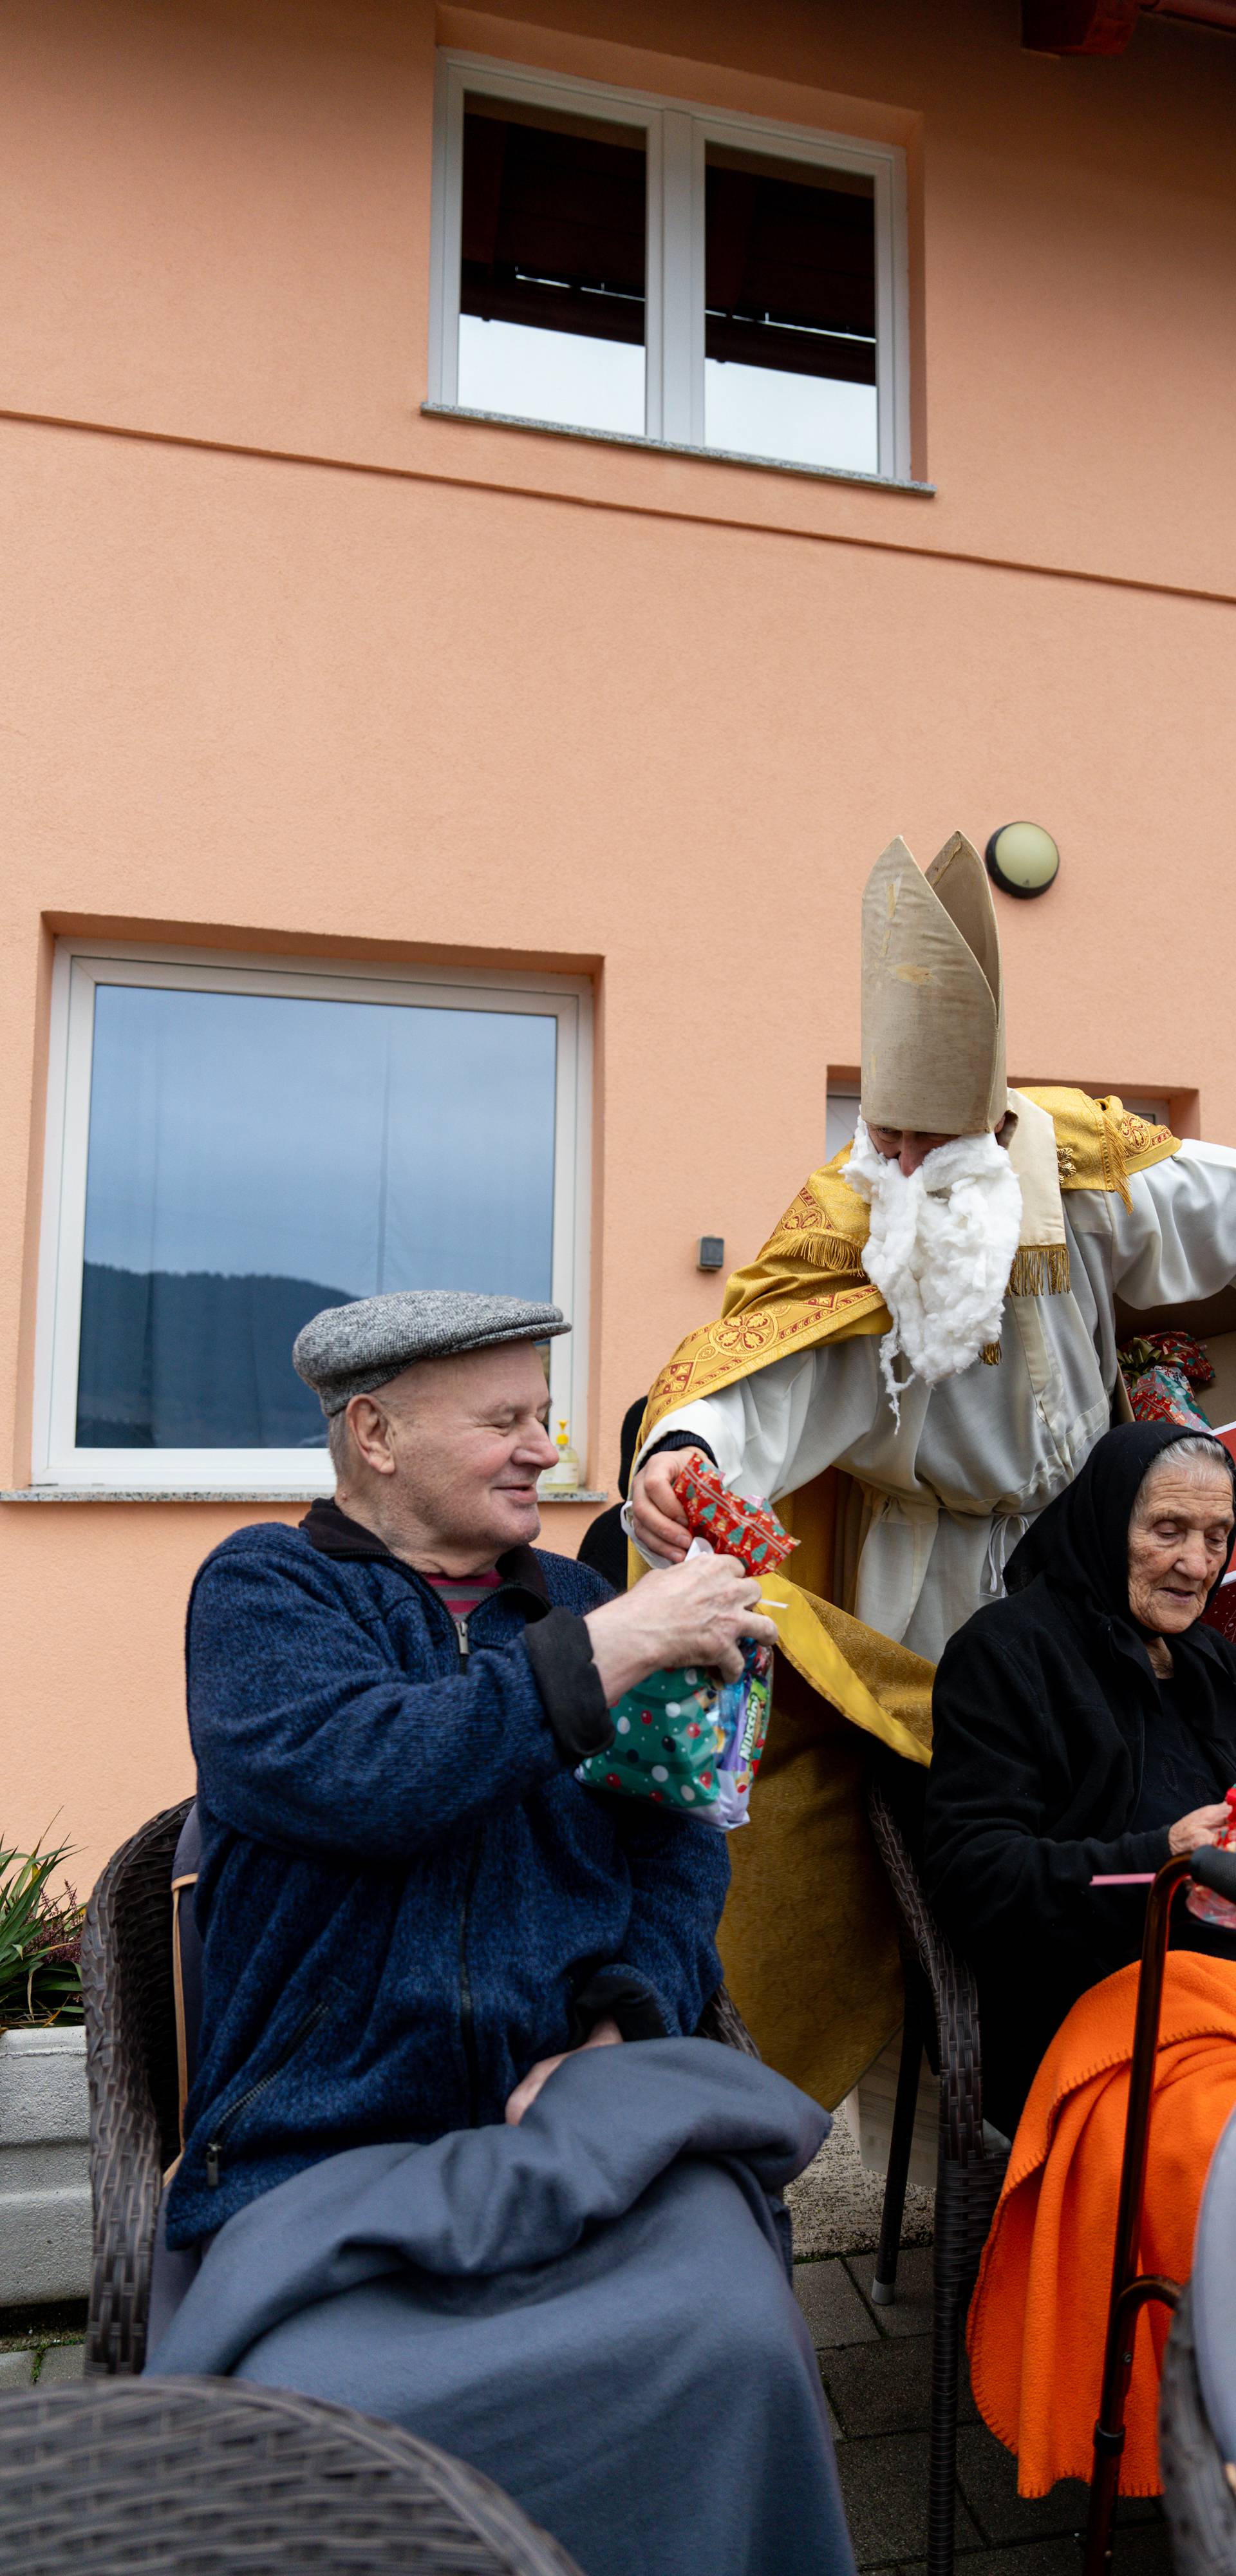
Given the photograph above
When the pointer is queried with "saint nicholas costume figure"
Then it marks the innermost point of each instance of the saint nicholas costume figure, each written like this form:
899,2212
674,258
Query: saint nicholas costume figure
919,1360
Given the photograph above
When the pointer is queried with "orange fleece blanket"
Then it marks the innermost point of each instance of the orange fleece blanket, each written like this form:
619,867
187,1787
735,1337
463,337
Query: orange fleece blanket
1038,2318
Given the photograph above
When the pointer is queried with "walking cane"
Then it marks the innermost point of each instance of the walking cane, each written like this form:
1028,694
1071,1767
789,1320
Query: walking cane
1130,2288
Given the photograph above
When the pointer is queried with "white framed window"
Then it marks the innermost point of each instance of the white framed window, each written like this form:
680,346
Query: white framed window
841,1112
234,1143
611,261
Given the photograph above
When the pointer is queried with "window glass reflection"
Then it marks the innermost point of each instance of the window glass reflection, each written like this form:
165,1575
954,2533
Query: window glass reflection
553,259
790,330
253,1158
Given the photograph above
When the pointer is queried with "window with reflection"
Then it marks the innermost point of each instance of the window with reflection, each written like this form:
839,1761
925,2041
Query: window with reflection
252,1160
242,1149
612,262
790,311
551,304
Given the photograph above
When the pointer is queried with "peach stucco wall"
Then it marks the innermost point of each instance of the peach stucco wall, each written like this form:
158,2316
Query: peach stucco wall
290,665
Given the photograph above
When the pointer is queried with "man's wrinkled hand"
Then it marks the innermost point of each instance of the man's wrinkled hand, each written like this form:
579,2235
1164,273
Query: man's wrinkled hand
701,1612
605,2035
659,1520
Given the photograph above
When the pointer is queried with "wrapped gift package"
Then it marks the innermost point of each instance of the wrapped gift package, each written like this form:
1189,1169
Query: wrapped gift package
730,1524
1164,1374
686,1739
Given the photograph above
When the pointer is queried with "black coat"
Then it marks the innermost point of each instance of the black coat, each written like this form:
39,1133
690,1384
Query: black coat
604,1543
1041,1705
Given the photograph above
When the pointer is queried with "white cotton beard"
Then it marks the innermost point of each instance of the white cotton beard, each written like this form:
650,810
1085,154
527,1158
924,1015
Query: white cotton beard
940,1251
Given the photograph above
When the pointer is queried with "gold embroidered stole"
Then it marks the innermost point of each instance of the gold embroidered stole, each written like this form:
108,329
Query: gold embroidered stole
808,1285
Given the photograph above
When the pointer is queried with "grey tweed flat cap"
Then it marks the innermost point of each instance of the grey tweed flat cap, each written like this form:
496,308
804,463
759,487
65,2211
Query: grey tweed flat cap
350,1350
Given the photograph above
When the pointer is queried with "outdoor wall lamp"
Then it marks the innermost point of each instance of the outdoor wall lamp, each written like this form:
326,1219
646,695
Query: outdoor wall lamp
1022,859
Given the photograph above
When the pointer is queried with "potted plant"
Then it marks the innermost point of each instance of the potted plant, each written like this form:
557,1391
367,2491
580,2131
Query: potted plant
44,2116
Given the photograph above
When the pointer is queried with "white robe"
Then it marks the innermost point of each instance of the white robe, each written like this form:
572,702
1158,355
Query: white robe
952,1490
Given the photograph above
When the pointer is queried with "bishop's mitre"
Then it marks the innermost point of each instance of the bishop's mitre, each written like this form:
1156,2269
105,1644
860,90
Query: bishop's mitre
933,1001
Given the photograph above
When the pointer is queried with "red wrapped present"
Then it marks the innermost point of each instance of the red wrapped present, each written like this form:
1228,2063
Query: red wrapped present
1160,1371
731,1525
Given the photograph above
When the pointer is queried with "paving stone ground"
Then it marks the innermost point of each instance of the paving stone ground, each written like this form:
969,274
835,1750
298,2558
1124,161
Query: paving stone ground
875,2364
40,2346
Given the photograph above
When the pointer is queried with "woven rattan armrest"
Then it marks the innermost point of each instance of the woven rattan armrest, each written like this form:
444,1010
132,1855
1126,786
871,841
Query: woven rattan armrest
721,2020
129,2003
951,1987
193,2477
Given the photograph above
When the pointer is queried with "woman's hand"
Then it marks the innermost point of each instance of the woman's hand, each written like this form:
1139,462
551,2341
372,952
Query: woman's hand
659,1520
690,1614
605,2035
1189,1833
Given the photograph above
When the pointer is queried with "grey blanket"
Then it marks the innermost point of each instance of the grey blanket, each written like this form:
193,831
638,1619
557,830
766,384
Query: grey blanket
595,2308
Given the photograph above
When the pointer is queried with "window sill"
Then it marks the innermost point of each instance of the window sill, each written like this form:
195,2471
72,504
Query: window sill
208,1494
670,447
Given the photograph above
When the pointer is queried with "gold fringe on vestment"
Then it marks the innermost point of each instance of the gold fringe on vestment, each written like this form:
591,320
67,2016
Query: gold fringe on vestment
821,1252
1040,1270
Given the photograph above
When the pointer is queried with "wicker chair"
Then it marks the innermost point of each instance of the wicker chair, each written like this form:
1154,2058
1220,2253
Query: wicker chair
211,2477
128,1989
1199,2490
941,2017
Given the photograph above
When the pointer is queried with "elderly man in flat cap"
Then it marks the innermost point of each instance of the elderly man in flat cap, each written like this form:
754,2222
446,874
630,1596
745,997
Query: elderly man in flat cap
426,2169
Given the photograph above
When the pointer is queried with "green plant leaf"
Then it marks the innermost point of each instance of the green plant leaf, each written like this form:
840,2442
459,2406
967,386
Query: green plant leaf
40,1937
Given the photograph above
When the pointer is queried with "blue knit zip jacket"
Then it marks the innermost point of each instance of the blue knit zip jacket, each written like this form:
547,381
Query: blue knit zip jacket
405,1897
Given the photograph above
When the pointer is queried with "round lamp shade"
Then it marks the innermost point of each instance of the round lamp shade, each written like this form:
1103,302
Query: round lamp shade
1022,858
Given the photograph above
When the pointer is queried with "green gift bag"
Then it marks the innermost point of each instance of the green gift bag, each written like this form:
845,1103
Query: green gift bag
685,1739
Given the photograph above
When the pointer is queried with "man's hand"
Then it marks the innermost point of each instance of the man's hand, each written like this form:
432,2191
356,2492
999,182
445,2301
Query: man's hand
605,2035
660,1521
688,1614
1189,1833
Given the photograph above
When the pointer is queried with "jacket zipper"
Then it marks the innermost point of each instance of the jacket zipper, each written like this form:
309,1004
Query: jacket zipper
308,2021
466,2017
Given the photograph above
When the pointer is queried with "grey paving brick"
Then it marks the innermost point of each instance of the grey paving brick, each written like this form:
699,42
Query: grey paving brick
62,2361
987,2476
831,2305
910,2313
886,2388
884,2484
16,2369
1143,2549
1031,2558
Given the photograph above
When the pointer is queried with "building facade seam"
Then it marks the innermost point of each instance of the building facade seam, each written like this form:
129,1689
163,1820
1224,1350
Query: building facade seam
744,523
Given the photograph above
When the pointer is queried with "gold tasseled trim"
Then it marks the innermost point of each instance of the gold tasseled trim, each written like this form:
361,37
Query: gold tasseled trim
818,1251
1100,1142
1115,1160
1040,1270
992,1354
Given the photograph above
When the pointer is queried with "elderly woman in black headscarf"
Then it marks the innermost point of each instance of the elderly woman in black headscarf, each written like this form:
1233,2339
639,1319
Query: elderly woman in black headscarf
1084,1726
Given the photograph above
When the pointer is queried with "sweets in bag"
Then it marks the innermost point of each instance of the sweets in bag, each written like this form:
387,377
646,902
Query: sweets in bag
686,1739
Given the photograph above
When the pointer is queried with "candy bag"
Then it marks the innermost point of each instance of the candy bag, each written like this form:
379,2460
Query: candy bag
686,1739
